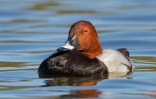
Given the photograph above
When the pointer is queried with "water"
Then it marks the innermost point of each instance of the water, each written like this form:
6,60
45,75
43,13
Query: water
31,30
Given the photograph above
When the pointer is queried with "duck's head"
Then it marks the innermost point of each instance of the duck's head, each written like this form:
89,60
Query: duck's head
83,37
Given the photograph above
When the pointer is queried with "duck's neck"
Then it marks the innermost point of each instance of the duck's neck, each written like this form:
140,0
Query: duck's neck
93,51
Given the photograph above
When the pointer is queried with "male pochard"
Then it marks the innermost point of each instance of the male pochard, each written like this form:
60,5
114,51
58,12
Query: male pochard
82,54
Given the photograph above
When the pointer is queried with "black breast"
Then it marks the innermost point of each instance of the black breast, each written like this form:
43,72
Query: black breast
71,63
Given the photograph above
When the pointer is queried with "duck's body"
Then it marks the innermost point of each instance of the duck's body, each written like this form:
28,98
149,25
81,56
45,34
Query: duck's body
116,60
82,54
72,63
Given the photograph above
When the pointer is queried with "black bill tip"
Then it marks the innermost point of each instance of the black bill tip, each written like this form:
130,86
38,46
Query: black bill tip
62,49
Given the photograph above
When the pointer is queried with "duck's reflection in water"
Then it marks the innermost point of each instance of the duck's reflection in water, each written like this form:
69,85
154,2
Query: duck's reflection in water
92,93
58,80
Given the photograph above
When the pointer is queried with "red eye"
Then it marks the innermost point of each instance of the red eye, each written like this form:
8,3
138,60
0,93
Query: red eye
85,31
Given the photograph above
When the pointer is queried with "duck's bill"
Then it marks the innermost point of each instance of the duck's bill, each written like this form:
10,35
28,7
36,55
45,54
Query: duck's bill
71,44
66,47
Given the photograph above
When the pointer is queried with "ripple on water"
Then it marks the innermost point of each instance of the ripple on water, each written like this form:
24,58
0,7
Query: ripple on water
32,30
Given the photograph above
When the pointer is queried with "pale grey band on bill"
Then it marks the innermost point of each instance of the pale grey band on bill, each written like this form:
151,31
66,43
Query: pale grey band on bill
71,44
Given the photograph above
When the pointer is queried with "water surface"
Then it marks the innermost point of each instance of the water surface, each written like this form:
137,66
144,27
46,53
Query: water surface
32,30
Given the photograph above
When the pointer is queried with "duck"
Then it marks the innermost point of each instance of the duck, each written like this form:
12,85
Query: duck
82,55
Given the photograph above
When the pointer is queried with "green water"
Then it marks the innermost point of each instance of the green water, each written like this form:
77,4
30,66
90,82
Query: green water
31,30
